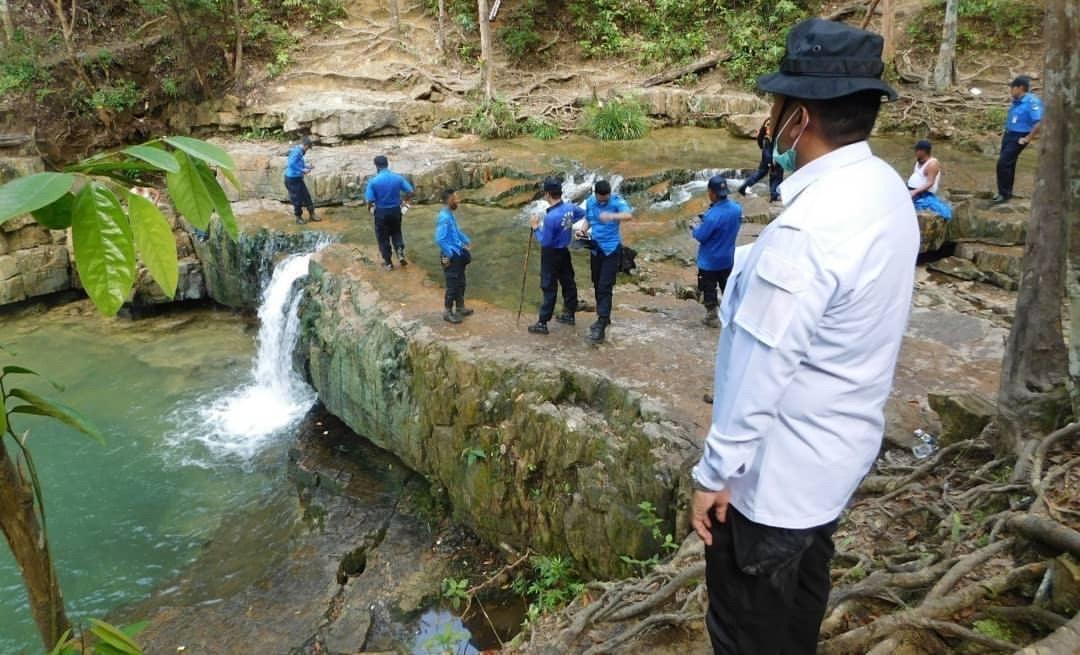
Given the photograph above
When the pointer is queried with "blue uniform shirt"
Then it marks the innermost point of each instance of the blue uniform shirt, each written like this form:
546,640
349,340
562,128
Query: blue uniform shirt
385,189
556,229
606,235
295,166
448,236
717,233
1024,113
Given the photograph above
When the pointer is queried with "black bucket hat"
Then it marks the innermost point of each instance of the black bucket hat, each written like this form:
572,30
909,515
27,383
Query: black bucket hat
826,59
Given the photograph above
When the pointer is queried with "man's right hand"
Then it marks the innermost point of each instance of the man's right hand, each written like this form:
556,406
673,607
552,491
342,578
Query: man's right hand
534,222
701,508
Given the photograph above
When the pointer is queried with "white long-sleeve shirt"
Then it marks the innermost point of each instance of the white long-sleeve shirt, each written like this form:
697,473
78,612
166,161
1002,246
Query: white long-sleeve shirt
813,319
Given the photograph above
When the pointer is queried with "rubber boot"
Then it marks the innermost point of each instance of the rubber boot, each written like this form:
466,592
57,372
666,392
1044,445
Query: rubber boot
710,319
566,318
538,327
463,311
450,316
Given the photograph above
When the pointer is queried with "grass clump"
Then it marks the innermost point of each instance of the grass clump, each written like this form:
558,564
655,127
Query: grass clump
541,129
620,119
494,119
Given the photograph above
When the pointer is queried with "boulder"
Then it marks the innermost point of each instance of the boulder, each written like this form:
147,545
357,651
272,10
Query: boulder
1005,225
999,265
963,414
932,230
745,125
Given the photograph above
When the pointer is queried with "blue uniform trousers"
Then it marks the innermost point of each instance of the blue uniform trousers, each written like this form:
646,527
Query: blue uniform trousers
556,269
1006,164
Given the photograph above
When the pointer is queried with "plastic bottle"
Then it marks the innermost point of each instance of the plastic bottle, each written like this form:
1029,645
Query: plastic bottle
927,445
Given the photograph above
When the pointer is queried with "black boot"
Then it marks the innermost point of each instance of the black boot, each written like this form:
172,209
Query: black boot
742,189
463,311
710,319
538,328
300,220
566,318
596,331
312,218
401,258
450,316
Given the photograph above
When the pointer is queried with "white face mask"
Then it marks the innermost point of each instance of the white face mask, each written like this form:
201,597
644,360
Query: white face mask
787,160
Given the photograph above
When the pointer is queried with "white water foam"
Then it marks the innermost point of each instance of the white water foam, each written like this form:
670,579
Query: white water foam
575,188
241,423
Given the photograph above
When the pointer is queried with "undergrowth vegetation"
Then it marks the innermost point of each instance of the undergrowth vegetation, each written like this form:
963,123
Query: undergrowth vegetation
618,119
982,25
498,119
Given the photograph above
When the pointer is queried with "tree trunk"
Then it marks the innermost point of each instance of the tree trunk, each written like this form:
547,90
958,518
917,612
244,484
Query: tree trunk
1032,396
440,37
1062,92
24,535
486,72
9,27
887,31
395,18
189,47
238,55
945,70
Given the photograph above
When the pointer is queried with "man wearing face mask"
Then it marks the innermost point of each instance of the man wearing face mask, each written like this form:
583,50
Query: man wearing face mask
813,318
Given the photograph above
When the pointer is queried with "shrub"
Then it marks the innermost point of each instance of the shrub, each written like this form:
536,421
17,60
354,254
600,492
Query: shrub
118,97
983,24
494,120
619,119
541,129
519,36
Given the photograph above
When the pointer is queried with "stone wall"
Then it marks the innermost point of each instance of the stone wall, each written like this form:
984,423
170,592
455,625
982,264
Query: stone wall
530,453
34,261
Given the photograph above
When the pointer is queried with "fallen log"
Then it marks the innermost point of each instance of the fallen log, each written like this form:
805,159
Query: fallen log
1045,531
711,61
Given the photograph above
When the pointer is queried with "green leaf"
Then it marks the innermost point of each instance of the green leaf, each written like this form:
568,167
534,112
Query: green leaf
18,370
61,644
155,242
189,194
57,215
25,194
231,177
114,637
104,252
221,203
133,629
207,152
38,406
155,156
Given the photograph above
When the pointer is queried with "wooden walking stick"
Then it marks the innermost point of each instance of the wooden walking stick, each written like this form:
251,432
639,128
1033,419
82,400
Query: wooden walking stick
524,276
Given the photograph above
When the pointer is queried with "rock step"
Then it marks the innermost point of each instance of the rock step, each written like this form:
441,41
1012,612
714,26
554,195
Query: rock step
932,231
505,192
999,265
1003,225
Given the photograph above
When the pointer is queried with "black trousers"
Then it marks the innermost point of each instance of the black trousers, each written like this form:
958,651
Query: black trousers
1006,163
299,195
708,282
556,270
387,230
767,586
454,272
776,176
604,268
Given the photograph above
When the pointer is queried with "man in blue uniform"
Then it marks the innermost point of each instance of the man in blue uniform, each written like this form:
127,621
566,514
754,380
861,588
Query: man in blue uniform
1021,128
454,256
295,169
384,197
604,212
716,233
554,230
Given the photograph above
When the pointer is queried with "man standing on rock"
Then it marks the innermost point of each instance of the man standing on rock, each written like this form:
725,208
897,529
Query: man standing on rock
1021,128
454,256
554,231
295,169
384,197
716,235
813,317
604,212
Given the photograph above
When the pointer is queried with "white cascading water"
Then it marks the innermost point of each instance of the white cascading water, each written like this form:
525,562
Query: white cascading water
240,423
573,191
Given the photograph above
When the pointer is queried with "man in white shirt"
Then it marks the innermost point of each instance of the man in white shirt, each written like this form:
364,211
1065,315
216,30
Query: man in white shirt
813,319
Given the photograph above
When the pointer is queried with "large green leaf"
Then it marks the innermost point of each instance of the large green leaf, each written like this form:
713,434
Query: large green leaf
189,194
25,194
155,242
207,152
38,406
104,252
221,202
156,156
114,637
57,215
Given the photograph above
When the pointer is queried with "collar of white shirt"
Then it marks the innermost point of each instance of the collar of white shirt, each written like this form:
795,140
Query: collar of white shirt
823,165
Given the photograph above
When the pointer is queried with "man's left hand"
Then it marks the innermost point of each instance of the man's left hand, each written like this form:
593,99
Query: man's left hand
606,217
1023,140
701,508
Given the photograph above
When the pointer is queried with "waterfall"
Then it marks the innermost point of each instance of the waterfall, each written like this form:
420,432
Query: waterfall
239,423
576,188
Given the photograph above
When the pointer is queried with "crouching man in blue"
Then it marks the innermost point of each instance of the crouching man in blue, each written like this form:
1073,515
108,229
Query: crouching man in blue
812,320
454,256
554,230
925,180
604,212
716,233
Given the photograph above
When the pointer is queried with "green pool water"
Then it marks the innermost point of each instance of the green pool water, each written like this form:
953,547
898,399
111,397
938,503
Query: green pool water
126,517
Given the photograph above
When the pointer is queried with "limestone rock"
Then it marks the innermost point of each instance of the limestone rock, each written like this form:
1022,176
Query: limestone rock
956,267
932,230
1003,226
963,414
1000,265
348,633
746,125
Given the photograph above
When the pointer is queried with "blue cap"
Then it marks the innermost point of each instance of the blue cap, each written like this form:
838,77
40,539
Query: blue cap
923,145
718,185
552,185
